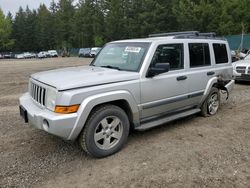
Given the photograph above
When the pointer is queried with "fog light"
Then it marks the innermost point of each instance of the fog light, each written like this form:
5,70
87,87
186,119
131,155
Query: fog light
45,125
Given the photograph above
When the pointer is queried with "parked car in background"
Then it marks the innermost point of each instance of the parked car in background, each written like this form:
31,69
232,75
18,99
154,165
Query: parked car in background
1,56
28,55
9,55
241,69
19,56
53,53
84,52
42,54
33,55
94,51
234,56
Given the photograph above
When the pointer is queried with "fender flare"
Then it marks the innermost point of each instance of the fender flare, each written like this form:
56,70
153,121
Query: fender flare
89,103
210,84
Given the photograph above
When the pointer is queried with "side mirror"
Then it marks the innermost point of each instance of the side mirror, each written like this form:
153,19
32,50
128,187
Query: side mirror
157,69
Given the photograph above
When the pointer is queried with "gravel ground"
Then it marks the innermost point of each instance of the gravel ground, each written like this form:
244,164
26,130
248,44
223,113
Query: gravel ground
192,152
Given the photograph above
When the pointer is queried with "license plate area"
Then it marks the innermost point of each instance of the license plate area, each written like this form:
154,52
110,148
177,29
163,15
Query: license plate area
23,114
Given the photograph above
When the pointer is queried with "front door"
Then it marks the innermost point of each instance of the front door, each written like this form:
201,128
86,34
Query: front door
167,92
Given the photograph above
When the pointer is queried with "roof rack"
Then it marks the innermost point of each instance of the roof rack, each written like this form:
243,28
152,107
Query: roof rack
212,34
187,34
174,34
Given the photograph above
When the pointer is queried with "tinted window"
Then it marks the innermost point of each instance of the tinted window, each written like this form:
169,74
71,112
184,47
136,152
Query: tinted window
169,53
220,53
199,54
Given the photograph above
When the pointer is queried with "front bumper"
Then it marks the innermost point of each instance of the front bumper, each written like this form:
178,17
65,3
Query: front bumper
241,77
244,77
41,118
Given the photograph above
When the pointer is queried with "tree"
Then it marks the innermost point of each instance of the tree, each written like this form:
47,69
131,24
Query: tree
115,19
30,32
95,22
19,30
43,28
6,42
52,22
65,23
84,24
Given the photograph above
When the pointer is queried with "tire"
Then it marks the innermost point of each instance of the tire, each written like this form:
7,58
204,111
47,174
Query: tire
105,132
211,104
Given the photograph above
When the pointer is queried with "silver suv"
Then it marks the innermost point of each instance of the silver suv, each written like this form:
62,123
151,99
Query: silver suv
131,84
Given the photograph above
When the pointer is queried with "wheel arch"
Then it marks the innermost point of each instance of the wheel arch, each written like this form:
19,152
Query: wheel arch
211,83
122,99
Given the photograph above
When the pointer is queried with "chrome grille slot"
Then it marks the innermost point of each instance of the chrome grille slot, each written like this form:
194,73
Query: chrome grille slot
241,70
38,93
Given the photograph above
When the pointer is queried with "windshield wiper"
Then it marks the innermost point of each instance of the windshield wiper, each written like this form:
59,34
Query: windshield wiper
111,67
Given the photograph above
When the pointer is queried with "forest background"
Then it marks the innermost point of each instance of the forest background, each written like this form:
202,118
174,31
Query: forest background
91,23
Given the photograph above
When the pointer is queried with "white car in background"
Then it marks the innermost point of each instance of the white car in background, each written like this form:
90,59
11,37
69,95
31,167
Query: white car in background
94,51
28,55
42,54
19,56
241,69
53,53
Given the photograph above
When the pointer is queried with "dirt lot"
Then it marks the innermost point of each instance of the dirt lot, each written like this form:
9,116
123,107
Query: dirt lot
192,152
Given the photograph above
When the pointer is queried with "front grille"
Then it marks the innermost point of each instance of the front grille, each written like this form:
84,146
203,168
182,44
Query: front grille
38,93
241,70
248,70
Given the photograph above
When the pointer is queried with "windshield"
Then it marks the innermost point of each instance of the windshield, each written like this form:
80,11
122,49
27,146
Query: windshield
122,56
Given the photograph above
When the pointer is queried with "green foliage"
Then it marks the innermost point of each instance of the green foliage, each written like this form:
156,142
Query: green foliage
5,32
95,22
99,41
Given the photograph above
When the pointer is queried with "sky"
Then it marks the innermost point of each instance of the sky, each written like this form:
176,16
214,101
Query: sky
13,5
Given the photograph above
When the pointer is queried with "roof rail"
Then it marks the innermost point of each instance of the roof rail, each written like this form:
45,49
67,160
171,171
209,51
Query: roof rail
186,34
193,33
212,34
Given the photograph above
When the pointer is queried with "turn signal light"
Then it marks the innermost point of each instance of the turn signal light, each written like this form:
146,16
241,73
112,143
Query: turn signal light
67,109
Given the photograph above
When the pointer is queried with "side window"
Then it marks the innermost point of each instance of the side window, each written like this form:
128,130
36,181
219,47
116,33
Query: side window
169,53
220,53
199,55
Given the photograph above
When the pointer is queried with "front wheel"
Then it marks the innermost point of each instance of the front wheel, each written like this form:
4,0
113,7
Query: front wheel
211,104
105,132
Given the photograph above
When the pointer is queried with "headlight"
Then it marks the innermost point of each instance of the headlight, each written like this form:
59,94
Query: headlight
51,98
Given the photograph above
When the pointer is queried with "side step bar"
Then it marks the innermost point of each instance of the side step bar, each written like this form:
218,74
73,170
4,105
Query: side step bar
166,119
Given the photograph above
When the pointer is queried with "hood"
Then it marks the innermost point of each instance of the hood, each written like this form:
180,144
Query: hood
244,63
85,76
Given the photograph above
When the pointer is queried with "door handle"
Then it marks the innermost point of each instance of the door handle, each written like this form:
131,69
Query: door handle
210,73
180,78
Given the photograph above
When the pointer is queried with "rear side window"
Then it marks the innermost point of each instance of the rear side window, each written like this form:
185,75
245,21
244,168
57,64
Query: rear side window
220,53
199,55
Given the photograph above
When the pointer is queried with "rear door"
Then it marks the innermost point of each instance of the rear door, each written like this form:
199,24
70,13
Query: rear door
201,70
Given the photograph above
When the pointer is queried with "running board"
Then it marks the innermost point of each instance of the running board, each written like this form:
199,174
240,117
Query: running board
166,119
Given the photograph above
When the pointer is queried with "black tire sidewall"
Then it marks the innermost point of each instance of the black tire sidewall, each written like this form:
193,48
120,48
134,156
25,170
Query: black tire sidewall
205,107
93,123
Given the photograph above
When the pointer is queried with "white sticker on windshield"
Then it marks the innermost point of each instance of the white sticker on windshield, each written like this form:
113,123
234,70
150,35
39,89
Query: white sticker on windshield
133,49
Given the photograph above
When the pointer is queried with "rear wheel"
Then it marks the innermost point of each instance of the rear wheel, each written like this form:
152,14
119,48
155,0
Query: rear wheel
105,132
211,104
